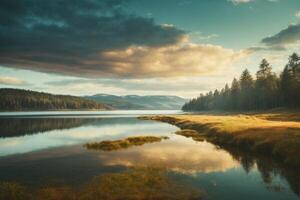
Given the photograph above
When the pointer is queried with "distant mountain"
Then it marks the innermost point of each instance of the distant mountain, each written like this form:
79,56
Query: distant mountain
136,102
26,100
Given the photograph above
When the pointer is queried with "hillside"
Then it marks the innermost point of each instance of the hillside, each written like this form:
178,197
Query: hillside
131,102
26,100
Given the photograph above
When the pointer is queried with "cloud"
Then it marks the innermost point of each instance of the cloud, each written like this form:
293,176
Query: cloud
180,86
240,1
298,14
57,36
150,84
236,2
183,59
187,158
5,80
199,37
99,39
286,38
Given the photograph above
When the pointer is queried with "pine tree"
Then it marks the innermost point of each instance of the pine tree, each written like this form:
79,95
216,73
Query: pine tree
234,94
294,83
285,86
247,87
267,91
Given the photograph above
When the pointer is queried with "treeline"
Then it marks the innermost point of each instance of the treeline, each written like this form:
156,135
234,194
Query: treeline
266,91
26,100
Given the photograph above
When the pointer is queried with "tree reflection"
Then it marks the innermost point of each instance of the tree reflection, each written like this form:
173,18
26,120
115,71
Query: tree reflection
268,167
11,127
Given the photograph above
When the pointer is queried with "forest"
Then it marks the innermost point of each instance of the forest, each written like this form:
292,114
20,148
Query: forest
266,90
26,100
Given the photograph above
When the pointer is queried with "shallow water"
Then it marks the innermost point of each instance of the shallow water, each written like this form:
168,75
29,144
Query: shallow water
47,148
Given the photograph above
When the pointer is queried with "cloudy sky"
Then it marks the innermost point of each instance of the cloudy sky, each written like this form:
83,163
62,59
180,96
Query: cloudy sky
174,47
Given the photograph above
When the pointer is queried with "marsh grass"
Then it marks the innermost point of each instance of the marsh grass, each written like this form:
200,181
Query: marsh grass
280,139
13,191
109,145
196,136
134,184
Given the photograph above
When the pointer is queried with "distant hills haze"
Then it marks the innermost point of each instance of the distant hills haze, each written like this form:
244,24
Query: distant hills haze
27,100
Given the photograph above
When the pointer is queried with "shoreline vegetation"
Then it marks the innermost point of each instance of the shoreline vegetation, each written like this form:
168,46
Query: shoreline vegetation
113,145
268,134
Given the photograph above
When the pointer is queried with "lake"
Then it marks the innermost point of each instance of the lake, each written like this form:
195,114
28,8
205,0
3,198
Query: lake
39,149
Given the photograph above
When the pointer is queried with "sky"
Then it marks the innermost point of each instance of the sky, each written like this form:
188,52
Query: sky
142,47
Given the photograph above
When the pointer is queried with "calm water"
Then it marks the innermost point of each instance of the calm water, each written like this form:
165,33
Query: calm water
37,149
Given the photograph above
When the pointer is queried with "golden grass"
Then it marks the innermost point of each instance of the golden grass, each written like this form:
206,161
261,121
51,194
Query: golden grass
55,193
134,184
191,134
233,124
280,116
124,144
253,132
13,191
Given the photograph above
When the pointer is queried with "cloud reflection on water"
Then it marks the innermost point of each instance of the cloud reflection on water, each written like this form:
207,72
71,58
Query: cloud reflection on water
184,156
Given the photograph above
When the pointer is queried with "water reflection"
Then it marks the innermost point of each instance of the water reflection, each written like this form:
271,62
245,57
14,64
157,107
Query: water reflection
133,184
42,151
183,156
31,134
12,127
269,169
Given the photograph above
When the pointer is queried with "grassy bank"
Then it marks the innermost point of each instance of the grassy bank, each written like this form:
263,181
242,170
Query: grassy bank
269,134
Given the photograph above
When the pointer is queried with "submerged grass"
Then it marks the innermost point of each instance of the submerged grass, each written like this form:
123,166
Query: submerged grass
13,191
134,184
109,145
256,133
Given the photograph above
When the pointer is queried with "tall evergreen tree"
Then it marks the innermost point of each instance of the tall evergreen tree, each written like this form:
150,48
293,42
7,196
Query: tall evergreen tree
294,79
234,94
266,86
265,70
285,86
247,89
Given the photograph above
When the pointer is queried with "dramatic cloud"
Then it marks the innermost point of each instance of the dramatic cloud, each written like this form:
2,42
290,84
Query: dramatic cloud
289,37
100,39
5,80
55,36
175,60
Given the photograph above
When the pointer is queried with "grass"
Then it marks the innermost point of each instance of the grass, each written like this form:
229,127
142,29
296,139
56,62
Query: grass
281,116
124,144
134,184
259,133
13,191
191,134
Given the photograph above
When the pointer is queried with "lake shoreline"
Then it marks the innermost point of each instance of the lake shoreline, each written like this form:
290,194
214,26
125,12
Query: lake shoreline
252,133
